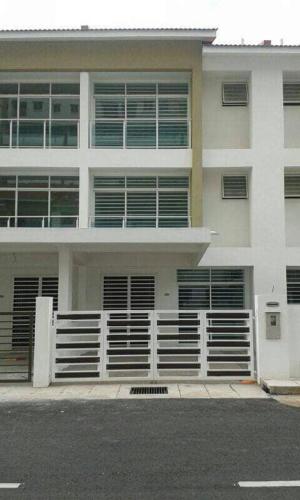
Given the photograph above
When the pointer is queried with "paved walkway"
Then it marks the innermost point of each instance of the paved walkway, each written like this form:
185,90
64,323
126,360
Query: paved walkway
25,392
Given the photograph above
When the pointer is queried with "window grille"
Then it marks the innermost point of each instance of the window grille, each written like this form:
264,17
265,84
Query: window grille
141,201
291,93
128,292
293,285
292,186
234,187
209,288
141,115
235,94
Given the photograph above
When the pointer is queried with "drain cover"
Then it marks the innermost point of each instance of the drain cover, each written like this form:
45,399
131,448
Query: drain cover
149,390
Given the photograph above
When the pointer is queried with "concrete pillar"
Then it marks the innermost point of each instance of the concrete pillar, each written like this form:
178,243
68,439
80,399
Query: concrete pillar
84,194
82,287
65,279
272,354
43,342
267,180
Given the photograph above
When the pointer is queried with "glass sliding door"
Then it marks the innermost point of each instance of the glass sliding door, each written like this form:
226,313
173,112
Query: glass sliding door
32,208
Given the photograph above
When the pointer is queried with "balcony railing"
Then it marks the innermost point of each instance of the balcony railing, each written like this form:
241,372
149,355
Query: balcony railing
139,221
39,133
139,134
53,221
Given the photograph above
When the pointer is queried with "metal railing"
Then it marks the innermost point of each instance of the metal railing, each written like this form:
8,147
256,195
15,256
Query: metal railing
52,221
139,221
16,346
36,133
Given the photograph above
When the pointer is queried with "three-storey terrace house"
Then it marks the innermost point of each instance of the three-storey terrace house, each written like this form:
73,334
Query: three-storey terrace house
153,174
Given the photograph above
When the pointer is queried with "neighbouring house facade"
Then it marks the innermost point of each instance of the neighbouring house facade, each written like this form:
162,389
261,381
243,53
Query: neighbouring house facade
153,171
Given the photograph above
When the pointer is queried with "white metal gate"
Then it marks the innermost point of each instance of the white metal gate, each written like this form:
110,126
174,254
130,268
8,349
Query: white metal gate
153,345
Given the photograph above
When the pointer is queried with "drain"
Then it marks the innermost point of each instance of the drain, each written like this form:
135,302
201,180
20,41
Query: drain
149,390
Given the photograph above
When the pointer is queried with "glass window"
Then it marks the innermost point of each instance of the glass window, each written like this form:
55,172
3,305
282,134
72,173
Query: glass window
65,108
8,107
29,181
7,203
64,182
34,88
63,134
7,181
141,134
4,133
32,203
8,88
64,203
65,88
141,108
34,108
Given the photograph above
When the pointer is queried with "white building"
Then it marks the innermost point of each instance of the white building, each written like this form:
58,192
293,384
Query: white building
153,170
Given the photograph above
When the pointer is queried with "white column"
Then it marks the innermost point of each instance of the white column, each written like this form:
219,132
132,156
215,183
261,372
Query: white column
267,180
65,278
43,343
82,287
84,194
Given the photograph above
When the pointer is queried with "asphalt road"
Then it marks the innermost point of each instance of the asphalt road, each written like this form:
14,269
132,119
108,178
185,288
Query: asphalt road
148,449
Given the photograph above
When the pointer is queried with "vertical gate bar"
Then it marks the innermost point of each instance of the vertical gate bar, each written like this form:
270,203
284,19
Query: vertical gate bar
153,345
251,340
203,342
103,344
29,377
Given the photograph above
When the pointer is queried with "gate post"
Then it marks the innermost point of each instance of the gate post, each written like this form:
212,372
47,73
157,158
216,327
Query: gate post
43,345
203,343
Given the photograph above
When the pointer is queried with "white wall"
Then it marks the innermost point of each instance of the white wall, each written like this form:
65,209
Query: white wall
294,339
230,218
292,222
223,126
292,126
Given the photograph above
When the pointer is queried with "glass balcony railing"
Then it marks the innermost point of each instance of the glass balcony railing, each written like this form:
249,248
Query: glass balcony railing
39,133
53,221
139,222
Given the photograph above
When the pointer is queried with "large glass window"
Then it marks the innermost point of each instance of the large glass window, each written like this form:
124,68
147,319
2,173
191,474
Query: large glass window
141,201
39,201
39,115
141,115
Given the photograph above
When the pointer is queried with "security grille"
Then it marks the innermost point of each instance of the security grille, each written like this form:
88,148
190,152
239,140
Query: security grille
26,290
210,288
141,201
235,94
291,93
234,186
293,285
128,292
292,186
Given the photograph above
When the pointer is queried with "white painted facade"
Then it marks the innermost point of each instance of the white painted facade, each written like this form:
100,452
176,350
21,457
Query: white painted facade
258,234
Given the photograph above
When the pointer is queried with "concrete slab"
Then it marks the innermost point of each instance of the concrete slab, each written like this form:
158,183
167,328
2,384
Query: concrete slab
250,391
221,391
282,387
193,391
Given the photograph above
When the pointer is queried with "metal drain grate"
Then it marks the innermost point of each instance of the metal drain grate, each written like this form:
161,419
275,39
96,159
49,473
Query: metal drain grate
149,390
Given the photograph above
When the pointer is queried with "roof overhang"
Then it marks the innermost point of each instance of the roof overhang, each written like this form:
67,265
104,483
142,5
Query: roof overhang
193,241
202,35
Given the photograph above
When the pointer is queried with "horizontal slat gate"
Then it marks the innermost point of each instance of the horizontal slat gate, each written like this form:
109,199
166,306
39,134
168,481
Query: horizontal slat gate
153,345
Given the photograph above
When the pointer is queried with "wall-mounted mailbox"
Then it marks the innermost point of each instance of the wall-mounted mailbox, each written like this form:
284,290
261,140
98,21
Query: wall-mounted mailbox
273,329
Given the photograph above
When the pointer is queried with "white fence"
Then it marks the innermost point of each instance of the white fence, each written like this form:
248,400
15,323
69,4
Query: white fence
153,345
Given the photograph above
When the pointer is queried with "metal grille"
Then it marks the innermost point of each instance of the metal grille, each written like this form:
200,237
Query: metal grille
292,186
16,358
235,187
293,285
129,292
235,94
229,344
149,390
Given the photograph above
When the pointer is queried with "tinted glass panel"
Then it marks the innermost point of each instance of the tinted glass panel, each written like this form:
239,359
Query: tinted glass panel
26,181
65,108
34,88
64,203
64,182
65,88
7,203
34,108
7,181
63,134
32,203
8,88
8,107
31,134
4,133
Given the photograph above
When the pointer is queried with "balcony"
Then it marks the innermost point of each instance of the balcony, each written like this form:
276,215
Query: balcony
39,133
39,221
